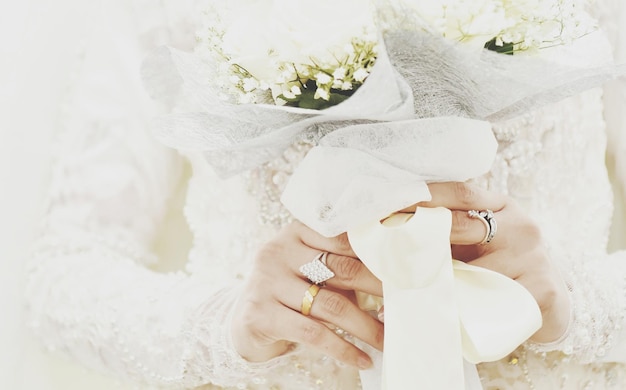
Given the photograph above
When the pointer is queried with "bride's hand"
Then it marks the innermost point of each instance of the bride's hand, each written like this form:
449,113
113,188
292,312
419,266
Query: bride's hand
268,316
516,251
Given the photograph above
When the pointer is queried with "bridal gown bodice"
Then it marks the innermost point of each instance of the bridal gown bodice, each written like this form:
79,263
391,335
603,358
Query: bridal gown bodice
102,287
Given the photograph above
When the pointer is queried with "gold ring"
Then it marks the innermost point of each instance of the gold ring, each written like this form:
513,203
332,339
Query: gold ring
307,300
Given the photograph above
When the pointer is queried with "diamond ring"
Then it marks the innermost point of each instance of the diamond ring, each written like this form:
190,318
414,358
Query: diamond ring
488,219
316,270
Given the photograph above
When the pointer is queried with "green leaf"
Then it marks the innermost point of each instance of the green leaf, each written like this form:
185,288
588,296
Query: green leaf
506,48
307,98
336,98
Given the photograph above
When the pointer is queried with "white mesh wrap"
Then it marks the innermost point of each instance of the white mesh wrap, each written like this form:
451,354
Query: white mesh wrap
384,167
417,76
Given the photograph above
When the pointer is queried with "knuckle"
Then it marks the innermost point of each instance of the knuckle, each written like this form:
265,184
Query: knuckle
335,304
540,260
530,245
348,270
532,231
269,252
259,287
464,193
345,354
515,218
313,333
260,336
246,318
521,235
249,315
257,327
547,295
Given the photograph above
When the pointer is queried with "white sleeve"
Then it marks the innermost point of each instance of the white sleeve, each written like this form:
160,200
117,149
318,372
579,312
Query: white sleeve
612,15
597,331
615,116
90,290
597,283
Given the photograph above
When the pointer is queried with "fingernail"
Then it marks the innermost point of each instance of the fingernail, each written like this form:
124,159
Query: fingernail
381,314
364,362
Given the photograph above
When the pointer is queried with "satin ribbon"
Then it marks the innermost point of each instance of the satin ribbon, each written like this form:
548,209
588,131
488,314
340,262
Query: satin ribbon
439,311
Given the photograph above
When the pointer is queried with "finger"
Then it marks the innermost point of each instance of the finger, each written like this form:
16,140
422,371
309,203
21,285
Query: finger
500,263
467,253
336,309
350,273
339,244
339,310
305,330
463,196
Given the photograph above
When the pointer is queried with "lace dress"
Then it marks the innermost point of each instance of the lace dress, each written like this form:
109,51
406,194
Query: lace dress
105,288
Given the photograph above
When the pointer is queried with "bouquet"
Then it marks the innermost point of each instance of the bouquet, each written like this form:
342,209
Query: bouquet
391,93
271,53
506,26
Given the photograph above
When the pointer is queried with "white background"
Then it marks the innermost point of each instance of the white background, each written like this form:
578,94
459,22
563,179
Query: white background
39,41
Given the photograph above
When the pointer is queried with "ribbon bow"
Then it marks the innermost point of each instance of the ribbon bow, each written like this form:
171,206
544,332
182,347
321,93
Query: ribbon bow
438,310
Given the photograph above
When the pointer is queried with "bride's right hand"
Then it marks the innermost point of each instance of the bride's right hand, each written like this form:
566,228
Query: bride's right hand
268,318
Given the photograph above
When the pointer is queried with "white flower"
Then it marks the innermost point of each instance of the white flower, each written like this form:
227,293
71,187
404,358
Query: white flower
250,84
288,92
323,78
528,24
339,73
288,95
296,90
287,75
321,93
304,72
246,98
360,75
269,32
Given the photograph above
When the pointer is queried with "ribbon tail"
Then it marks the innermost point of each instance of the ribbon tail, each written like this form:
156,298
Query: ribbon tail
422,337
472,380
497,314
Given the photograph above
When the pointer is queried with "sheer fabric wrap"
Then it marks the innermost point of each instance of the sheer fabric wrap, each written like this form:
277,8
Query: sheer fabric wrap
423,91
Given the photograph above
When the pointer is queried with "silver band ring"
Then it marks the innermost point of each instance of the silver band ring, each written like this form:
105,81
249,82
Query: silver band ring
316,270
488,219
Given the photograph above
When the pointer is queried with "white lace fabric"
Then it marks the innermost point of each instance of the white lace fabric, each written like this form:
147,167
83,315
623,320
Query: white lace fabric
93,295
552,162
90,291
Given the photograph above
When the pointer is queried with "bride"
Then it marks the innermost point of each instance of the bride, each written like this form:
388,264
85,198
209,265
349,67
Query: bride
124,284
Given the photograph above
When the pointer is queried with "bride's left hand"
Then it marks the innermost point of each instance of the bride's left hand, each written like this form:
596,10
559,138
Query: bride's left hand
516,251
